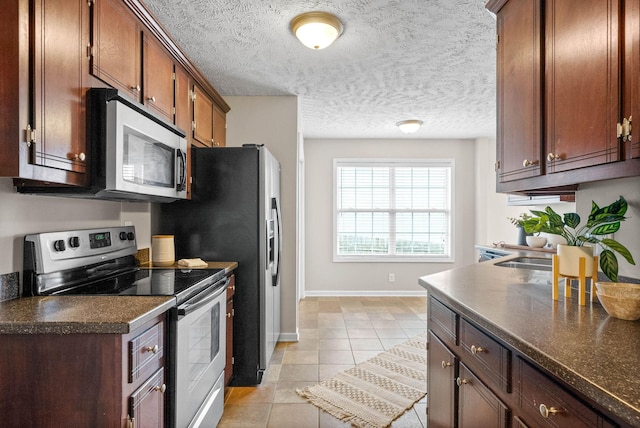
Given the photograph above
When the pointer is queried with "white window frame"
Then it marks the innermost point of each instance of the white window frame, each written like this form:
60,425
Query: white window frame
386,162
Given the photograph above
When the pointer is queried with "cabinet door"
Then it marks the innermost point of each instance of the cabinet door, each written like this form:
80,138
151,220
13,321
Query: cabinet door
582,83
202,118
441,372
631,92
478,406
116,47
146,404
158,80
219,127
183,102
519,89
58,114
228,367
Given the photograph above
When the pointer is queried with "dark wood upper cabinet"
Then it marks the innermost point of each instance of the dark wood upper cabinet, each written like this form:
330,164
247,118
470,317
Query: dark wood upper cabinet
159,78
42,90
583,84
519,64
567,73
631,97
58,90
202,118
116,47
183,101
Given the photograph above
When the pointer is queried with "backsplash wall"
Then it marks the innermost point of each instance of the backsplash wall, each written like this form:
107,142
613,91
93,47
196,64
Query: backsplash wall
23,214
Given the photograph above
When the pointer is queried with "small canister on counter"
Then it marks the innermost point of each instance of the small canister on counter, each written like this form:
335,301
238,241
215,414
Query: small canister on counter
163,250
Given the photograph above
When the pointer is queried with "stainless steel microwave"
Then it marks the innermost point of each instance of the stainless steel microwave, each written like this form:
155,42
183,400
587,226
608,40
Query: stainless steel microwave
133,154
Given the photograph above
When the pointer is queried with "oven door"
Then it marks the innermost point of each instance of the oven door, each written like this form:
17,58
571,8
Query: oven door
200,358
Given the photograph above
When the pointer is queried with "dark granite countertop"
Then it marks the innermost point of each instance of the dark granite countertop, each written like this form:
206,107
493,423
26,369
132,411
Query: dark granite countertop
87,314
80,314
594,353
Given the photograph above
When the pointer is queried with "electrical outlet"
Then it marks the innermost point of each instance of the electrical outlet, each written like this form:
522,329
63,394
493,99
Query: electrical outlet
392,277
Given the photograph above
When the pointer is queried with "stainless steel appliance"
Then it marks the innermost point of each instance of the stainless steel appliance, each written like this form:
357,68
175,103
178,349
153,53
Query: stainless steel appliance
101,261
234,214
134,155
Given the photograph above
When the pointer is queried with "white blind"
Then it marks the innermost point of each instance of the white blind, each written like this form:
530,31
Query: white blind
392,209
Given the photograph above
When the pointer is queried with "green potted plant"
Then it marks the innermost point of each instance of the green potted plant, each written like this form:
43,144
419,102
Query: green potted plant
600,223
519,222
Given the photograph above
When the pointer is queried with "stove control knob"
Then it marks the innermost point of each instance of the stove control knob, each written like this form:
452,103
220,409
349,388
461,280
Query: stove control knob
131,236
123,236
59,245
74,242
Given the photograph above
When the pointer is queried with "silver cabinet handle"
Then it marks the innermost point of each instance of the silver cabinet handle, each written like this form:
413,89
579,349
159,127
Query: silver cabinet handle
527,162
545,411
162,388
153,349
460,381
475,350
446,364
79,156
135,88
152,99
553,157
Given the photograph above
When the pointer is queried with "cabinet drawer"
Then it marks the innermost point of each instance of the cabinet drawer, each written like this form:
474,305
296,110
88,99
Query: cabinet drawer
443,322
146,352
486,357
536,392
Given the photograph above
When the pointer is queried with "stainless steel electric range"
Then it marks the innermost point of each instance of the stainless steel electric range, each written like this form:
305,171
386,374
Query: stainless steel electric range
102,262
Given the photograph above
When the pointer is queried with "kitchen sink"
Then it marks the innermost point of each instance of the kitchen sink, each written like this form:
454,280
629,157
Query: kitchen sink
534,263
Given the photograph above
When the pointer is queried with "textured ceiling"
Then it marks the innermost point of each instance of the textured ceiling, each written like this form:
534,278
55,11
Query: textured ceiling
432,60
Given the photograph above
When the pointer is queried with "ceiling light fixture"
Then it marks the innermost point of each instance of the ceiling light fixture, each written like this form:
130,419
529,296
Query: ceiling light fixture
409,126
316,30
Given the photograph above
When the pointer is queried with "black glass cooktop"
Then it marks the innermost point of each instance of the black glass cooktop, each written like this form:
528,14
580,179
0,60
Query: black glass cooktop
152,282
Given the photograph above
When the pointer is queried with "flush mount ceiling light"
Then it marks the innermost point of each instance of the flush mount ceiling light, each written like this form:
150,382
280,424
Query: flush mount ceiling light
409,126
316,30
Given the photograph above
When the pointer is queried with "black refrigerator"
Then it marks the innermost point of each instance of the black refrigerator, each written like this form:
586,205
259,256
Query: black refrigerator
234,215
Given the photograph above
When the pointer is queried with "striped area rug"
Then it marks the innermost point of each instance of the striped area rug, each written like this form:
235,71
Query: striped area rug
376,392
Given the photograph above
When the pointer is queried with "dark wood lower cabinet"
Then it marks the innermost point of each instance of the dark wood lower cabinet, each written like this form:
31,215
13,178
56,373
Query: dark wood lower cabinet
84,380
475,380
478,406
442,366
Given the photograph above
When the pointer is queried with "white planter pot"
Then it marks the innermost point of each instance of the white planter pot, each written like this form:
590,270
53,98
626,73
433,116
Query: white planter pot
569,259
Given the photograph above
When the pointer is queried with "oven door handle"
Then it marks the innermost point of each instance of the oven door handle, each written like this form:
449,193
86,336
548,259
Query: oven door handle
186,308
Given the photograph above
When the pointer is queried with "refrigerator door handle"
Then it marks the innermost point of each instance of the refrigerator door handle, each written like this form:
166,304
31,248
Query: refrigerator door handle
274,206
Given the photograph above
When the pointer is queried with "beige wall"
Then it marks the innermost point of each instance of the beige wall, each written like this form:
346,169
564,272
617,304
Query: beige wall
23,214
323,276
273,121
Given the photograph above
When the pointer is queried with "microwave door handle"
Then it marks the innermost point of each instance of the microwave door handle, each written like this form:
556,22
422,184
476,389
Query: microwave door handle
182,168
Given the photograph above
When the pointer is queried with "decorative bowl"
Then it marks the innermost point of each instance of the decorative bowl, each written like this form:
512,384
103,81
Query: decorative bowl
619,289
624,308
536,241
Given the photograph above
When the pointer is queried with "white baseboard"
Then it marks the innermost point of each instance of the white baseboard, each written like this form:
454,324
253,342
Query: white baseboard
370,293
288,337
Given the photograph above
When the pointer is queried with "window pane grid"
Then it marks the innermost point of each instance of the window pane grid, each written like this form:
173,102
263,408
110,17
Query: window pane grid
393,211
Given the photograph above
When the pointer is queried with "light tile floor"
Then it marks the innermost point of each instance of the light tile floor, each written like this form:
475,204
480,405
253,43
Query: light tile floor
335,334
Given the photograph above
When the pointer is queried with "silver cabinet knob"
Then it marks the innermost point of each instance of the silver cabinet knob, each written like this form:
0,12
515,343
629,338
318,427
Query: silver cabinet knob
446,364
545,411
79,156
460,381
554,156
152,99
527,162
475,350
162,388
153,349
135,88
